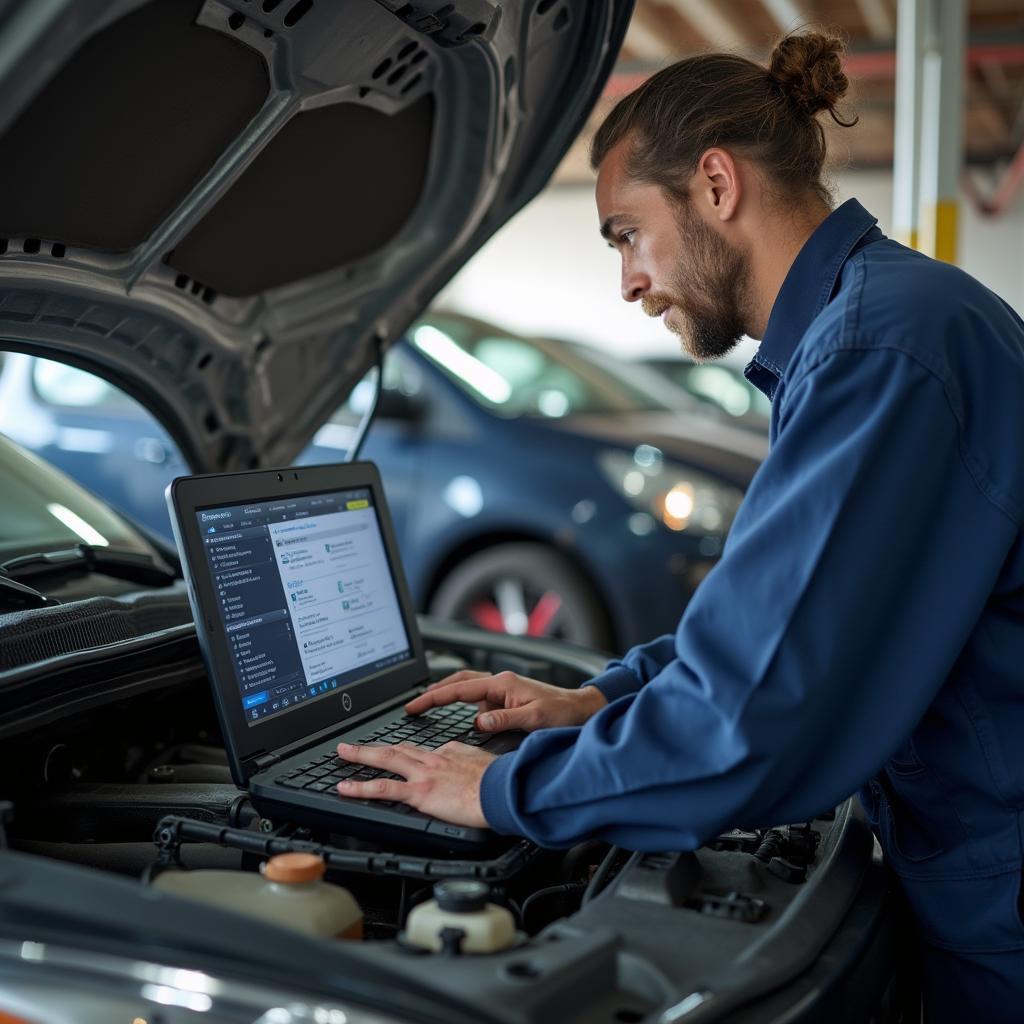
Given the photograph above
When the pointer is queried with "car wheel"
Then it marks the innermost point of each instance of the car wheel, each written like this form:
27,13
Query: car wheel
523,590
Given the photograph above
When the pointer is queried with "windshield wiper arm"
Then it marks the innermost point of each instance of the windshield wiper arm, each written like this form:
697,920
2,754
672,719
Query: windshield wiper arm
15,596
137,567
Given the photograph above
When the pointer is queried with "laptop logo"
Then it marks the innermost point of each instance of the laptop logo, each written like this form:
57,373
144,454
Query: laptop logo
346,702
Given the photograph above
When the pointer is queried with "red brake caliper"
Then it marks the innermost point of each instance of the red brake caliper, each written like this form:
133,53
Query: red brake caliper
543,614
486,615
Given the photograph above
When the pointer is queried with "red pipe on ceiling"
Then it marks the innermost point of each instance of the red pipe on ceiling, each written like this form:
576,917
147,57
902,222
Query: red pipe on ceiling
878,65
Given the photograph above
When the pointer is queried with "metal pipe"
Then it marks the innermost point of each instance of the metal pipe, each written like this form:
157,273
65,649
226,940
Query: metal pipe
943,73
910,21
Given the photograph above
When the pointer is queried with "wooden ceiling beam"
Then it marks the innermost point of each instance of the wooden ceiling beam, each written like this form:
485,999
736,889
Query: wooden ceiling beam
867,66
986,98
719,29
646,37
879,21
995,79
788,15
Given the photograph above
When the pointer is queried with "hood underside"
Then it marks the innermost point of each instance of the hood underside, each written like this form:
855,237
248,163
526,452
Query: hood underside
225,207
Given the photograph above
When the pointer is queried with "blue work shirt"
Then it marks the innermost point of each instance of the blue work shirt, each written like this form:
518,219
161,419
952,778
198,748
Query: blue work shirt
864,626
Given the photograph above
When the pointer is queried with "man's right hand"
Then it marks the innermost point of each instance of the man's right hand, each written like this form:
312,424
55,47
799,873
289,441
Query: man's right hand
508,701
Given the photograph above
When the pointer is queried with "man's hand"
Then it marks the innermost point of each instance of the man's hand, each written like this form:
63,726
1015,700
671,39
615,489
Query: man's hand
508,701
444,783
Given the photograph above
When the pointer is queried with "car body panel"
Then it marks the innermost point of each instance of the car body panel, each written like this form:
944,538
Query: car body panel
326,167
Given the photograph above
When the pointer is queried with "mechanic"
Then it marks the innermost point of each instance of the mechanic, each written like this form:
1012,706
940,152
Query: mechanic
865,624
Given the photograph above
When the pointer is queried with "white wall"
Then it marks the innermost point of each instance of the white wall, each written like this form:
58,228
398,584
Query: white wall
991,248
549,272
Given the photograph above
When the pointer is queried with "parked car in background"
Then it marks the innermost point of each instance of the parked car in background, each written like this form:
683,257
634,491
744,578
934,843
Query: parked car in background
720,386
536,489
92,431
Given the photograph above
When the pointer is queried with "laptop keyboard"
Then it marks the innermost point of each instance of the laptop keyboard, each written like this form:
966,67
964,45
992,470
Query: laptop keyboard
436,727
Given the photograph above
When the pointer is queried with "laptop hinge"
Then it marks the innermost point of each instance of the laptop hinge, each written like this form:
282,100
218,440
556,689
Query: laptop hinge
260,762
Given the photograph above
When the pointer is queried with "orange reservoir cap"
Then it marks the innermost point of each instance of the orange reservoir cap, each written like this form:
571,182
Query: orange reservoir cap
294,868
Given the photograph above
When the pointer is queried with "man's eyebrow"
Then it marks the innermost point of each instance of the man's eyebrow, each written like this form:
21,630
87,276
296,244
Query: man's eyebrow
608,227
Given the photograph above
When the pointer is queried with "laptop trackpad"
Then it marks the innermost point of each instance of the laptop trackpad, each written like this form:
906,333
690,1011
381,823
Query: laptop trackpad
503,742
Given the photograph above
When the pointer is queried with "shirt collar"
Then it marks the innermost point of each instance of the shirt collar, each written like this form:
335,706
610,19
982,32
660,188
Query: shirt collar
807,288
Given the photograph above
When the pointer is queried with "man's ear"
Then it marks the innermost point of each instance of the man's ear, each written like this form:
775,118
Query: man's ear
717,181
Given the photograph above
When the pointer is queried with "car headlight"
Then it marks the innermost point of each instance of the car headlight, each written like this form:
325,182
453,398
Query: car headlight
676,495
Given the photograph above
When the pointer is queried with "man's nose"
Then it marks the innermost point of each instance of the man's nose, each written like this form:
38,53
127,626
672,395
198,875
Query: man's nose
635,284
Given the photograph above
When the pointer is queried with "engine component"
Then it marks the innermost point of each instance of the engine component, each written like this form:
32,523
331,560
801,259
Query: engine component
119,812
734,906
665,878
460,919
172,831
290,891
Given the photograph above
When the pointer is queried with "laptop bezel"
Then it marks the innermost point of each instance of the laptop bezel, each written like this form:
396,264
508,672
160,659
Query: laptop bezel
247,745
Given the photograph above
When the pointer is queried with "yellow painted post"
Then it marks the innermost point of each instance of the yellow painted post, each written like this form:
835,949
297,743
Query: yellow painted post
906,236
939,224
906,170
942,127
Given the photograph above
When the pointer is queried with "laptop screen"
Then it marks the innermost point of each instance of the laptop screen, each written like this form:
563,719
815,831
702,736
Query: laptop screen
305,595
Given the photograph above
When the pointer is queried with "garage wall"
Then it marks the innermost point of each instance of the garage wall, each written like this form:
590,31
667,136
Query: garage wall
991,248
549,272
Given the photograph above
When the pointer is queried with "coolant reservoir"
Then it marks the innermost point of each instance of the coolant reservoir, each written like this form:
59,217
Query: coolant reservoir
290,892
459,919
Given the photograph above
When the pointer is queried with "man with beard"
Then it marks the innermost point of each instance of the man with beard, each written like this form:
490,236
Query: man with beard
865,625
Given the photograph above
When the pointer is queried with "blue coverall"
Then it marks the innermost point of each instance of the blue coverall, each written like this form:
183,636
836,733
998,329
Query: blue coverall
863,628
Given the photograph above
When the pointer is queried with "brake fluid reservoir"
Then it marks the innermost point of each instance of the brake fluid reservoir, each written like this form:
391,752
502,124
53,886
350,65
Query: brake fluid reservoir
290,891
460,919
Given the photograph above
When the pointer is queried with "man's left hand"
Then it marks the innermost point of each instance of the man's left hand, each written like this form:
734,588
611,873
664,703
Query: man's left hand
444,783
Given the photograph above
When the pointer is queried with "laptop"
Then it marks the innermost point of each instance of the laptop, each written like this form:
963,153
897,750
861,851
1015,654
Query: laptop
309,636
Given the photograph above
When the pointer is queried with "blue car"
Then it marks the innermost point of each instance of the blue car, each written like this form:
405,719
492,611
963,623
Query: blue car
534,491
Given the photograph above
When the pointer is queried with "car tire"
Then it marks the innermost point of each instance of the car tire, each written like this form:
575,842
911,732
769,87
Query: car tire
526,590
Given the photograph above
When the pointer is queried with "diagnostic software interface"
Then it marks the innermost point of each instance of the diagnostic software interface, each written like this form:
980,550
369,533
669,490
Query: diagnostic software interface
305,596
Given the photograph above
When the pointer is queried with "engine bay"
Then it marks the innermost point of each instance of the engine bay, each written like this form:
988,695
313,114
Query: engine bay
124,772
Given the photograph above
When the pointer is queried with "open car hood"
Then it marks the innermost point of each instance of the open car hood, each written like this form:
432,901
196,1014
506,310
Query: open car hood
226,206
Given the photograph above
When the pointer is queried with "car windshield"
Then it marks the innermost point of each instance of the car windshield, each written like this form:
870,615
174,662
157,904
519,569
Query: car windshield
720,386
516,376
42,510
640,378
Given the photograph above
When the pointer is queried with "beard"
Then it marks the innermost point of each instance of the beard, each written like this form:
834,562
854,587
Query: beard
708,292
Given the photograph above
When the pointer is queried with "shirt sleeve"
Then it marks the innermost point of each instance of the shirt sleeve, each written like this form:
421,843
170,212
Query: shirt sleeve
638,666
858,564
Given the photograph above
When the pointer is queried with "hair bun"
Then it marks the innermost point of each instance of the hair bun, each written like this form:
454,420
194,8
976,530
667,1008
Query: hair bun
808,68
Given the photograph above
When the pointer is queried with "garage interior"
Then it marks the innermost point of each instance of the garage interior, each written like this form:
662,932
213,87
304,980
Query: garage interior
167,849
982,132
